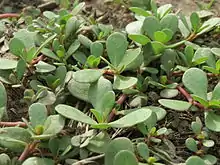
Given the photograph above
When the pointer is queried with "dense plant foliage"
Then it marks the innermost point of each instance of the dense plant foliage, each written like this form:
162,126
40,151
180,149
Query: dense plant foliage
87,87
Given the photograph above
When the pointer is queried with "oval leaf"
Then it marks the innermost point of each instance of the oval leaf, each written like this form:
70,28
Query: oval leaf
74,114
126,158
6,64
116,46
196,81
131,119
175,104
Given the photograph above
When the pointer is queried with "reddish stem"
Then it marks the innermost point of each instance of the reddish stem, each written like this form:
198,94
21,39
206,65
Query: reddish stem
189,98
35,61
28,149
185,93
13,124
120,101
9,15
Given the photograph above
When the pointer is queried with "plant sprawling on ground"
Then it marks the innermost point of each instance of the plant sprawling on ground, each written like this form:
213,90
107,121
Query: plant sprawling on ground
88,87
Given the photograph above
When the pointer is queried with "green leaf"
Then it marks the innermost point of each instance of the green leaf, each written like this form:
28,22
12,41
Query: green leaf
208,143
205,52
14,138
37,114
74,114
200,100
210,159
79,90
158,47
196,127
98,143
195,160
43,67
116,46
5,159
53,125
49,53
84,41
21,68
160,112
170,21
16,47
101,96
87,75
169,93
195,21
139,38
216,51
208,25
143,150
3,96
216,92
196,81
134,27
3,102
175,104
140,11
212,121
168,60
151,25
121,82
49,14
72,26
38,161
26,37
131,119
189,54
164,10
125,157
160,36
96,49
132,59
6,64
78,8
116,146
72,49
80,57
191,144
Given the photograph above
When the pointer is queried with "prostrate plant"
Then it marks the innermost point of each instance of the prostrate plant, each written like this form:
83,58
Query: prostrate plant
86,84
200,144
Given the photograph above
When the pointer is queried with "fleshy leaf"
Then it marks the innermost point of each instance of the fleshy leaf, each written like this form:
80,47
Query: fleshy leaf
170,21
125,157
37,114
151,25
139,38
74,114
175,104
6,64
116,146
196,81
38,161
116,46
43,67
131,119
121,82
195,160
191,144
169,93
212,121
87,75
143,150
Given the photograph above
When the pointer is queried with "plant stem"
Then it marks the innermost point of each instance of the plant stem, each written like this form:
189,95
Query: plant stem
120,101
9,15
175,45
89,159
28,149
189,98
13,124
